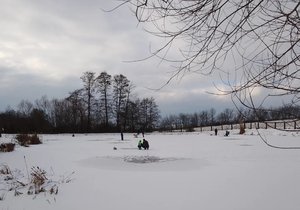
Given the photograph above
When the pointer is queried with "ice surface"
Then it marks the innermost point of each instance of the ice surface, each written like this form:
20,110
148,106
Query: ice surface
179,171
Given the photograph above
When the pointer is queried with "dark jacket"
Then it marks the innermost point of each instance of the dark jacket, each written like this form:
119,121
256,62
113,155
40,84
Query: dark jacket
145,144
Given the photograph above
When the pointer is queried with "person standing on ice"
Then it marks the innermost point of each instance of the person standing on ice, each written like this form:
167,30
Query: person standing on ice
227,133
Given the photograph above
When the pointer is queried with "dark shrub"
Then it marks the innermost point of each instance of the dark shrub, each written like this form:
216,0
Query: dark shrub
190,129
22,139
34,139
26,139
7,147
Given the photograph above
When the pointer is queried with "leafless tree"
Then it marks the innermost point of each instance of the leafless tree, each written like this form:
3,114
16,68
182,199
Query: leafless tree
103,87
44,105
25,107
149,114
226,116
77,109
121,92
212,113
89,81
252,44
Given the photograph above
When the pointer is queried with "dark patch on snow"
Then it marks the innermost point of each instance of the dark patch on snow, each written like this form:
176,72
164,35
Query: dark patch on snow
146,159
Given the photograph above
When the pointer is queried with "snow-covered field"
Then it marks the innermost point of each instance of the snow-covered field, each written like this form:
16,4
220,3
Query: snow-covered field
180,171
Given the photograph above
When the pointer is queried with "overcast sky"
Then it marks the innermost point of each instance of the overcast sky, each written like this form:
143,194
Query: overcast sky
46,45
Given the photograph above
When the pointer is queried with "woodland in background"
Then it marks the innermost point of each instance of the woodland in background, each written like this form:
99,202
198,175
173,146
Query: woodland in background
228,117
103,104
107,104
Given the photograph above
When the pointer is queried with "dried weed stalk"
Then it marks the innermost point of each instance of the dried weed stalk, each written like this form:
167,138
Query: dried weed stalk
38,182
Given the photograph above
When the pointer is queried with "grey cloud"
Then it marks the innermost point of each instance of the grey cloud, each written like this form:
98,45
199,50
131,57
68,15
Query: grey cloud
32,87
46,45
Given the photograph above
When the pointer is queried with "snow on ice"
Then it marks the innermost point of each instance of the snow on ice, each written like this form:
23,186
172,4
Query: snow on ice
179,171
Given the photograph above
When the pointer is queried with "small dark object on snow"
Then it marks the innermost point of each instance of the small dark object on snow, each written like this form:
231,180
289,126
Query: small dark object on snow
227,133
73,135
145,144
115,148
216,131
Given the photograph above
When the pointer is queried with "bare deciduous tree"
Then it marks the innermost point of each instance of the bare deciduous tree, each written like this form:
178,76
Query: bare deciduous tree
103,86
25,107
261,39
121,91
89,82
76,109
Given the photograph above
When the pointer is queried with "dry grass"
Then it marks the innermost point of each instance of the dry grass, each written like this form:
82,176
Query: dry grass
38,179
242,129
5,170
27,139
7,147
37,182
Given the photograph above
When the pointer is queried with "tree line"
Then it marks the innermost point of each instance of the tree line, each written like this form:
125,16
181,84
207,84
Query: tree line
105,103
227,116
